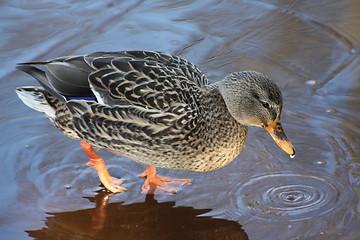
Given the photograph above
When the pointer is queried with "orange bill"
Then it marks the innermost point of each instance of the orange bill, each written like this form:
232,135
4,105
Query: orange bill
277,133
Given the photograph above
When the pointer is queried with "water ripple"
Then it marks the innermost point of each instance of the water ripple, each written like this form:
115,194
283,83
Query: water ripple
288,196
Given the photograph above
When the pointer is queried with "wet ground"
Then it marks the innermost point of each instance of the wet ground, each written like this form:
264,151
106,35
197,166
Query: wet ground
310,48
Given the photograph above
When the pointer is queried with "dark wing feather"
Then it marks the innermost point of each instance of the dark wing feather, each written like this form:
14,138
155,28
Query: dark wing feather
67,76
41,76
148,79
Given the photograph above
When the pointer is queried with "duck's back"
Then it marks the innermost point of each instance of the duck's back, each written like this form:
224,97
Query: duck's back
149,79
144,78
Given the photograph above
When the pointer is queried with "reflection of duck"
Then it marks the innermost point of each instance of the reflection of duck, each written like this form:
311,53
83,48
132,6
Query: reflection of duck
148,220
153,108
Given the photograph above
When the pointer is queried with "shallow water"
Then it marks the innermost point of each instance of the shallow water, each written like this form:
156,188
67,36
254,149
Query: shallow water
310,48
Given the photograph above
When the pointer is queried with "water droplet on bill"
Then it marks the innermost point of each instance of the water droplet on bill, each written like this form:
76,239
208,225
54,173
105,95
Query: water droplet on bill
310,82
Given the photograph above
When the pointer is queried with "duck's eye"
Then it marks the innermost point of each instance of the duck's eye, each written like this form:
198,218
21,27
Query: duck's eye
265,104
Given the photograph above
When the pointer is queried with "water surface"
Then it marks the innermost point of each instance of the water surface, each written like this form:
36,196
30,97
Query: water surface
310,48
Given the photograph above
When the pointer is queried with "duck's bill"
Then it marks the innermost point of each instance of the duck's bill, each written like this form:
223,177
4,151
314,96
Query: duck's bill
277,133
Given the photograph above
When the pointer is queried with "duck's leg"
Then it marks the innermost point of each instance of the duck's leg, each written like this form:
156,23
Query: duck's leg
110,183
154,179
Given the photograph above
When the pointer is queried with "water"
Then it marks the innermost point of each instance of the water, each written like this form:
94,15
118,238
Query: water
310,48
288,196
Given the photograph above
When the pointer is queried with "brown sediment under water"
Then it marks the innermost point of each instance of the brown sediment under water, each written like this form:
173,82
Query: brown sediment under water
310,48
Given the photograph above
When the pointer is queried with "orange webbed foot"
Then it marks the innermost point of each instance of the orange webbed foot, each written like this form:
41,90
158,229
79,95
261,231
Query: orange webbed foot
110,183
153,179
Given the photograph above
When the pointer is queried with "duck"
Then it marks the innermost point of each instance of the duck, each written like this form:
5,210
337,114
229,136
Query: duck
154,108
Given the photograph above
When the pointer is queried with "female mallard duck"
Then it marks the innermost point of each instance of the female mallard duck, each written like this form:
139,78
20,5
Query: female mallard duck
153,108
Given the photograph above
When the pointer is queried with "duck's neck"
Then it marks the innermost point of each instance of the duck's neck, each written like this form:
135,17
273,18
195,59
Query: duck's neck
218,135
213,102
215,113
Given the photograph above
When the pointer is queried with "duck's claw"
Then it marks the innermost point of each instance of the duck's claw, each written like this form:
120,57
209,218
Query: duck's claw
153,179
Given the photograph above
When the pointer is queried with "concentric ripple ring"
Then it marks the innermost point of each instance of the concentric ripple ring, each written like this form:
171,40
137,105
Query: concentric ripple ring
289,196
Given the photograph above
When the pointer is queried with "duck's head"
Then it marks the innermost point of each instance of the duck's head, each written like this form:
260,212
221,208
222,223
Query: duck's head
255,100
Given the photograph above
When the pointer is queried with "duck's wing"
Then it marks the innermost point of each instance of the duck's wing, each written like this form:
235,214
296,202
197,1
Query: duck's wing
142,97
144,78
63,77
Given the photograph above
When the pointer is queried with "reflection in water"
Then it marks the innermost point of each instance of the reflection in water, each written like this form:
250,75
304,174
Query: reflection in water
148,220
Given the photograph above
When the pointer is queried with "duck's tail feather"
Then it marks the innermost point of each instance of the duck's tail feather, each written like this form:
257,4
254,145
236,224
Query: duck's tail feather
63,80
34,97
40,75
